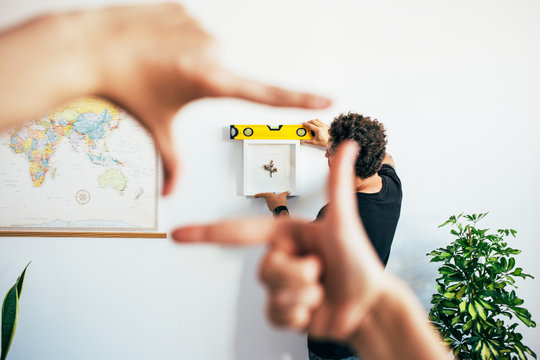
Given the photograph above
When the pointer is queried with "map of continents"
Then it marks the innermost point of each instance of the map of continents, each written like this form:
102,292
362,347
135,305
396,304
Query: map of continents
89,161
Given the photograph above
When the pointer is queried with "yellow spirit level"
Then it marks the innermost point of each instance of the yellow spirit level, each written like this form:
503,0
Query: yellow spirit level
270,132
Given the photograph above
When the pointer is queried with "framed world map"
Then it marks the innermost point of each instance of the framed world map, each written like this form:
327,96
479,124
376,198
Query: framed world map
87,166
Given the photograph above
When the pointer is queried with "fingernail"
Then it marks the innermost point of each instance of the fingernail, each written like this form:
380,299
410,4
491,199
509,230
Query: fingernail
182,235
177,235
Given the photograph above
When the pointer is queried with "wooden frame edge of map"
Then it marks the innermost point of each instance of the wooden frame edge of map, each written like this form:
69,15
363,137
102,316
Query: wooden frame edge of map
84,234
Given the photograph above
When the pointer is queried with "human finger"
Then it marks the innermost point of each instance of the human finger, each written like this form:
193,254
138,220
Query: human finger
262,195
285,298
164,140
280,269
297,317
340,182
226,84
311,126
234,232
319,122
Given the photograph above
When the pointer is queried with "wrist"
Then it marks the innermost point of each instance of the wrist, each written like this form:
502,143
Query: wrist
280,210
396,326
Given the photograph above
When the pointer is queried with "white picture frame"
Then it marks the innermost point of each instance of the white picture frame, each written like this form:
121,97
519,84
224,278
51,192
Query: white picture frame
258,153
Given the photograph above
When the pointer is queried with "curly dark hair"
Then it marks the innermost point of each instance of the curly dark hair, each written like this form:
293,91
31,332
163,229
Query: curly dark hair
369,134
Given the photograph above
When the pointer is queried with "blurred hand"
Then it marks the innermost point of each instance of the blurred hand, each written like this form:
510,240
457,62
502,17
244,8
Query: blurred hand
274,200
154,59
322,277
321,133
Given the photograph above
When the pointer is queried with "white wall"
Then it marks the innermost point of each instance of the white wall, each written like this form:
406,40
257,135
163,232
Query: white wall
455,82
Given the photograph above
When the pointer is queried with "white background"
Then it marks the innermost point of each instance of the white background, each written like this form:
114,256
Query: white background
455,82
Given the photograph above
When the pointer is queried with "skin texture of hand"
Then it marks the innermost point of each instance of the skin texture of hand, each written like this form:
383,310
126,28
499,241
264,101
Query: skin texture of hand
321,133
273,200
150,60
325,277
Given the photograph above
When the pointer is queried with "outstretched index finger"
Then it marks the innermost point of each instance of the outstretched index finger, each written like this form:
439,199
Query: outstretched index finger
226,84
252,231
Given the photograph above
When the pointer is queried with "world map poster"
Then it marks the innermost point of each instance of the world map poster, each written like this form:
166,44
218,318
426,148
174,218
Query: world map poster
86,166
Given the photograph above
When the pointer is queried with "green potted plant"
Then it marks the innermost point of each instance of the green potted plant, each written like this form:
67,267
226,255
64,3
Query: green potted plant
475,292
10,314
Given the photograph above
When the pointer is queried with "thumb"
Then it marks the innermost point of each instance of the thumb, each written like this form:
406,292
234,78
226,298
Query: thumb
309,142
226,84
163,136
340,184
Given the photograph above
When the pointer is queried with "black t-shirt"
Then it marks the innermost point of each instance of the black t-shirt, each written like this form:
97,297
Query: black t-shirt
380,214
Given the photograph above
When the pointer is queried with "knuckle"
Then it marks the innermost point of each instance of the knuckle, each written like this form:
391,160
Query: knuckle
307,273
263,272
267,269
281,298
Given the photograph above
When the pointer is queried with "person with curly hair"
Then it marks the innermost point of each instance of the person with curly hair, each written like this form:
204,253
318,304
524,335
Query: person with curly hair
378,195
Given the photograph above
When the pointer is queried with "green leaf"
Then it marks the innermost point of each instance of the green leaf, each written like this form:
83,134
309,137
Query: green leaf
511,264
20,281
461,292
10,317
532,353
10,314
480,310
487,305
503,263
517,271
449,304
520,353
463,306
485,352
478,345
525,319
450,220
479,327
449,295
467,325
472,311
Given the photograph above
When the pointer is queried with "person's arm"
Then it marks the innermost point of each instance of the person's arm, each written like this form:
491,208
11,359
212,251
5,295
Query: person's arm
398,315
320,133
151,60
325,277
389,161
277,203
